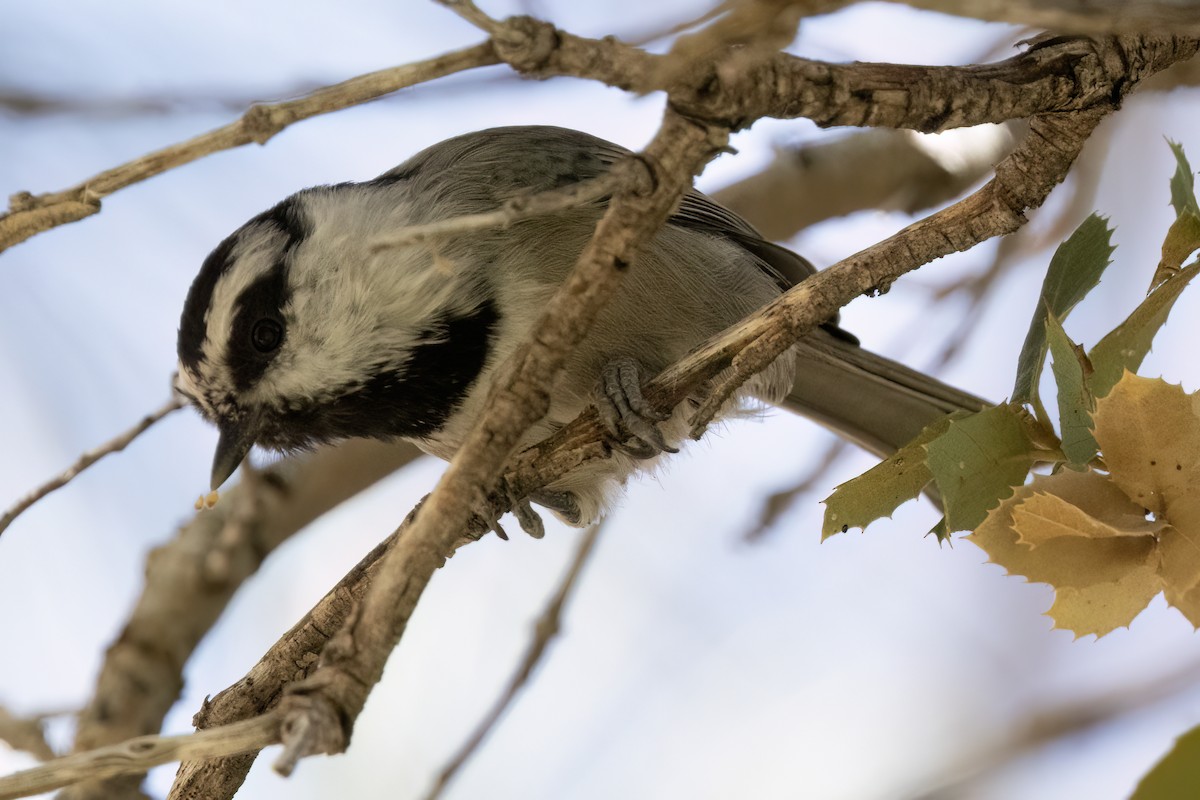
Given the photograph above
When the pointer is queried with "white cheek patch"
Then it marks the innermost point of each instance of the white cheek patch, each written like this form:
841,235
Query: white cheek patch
256,253
352,313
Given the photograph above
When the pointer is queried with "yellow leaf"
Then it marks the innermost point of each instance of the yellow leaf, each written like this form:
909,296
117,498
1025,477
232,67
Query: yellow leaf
1075,549
1090,491
1102,608
1149,433
1082,535
1180,570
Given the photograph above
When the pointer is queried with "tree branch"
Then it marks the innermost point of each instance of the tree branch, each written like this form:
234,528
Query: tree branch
1056,74
29,214
879,169
191,580
353,662
1091,17
546,630
25,733
86,460
139,755
1023,180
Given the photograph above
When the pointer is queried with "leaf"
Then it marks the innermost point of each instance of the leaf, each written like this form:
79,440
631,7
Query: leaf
1126,345
1183,239
1183,193
879,491
1074,270
1104,607
1180,545
977,461
1034,552
1073,548
1075,402
1177,776
1149,432
1180,570
1079,533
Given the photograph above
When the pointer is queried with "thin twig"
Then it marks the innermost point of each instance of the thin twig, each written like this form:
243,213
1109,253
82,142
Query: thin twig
86,460
140,754
191,579
472,14
779,502
529,206
26,733
545,630
1048,725
29,214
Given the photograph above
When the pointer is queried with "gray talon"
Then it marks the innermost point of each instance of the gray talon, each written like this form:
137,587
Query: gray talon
636,448
529,519
562,503
631,391
629,419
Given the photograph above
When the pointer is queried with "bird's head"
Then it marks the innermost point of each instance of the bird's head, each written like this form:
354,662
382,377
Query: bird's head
296,333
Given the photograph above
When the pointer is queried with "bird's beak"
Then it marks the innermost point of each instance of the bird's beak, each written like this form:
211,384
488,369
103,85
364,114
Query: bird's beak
232,447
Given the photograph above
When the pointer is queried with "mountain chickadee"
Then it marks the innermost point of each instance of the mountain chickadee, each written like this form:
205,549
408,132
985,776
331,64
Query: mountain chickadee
295,333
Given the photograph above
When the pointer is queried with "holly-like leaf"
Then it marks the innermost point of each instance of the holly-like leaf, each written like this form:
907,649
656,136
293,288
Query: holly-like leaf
1102,608
1074,270
1075,403
879,491
1079,533
1183,239
977,461
1183,182
1076,549
1149,431
1126,345
1177,776
1180,570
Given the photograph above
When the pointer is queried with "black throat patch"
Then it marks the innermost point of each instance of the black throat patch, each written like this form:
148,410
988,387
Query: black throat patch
413,400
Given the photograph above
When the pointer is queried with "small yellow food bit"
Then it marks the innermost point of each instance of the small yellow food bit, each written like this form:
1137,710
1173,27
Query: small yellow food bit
211,499
200,502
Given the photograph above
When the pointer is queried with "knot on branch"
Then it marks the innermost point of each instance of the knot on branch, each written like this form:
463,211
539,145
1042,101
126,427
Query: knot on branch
311,725
729,90
262,122
638,174
525,43
21,201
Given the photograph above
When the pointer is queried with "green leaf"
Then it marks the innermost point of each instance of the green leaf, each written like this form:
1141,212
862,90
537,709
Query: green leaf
1074,270
1177,776
1127,344
1183,192
1075,402
941,530
977,461
1183,239
880,490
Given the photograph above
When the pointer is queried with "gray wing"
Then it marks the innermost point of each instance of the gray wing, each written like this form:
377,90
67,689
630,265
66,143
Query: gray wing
551,157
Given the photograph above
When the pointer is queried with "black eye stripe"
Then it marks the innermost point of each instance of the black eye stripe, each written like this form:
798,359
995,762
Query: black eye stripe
287,218
191,326
262,300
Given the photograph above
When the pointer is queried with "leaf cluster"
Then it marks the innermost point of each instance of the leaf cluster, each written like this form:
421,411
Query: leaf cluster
1115,522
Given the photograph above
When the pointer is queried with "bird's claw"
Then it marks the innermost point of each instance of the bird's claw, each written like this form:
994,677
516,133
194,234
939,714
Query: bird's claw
631,422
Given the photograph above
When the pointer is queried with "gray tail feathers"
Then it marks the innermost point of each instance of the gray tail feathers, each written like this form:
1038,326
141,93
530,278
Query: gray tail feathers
873,401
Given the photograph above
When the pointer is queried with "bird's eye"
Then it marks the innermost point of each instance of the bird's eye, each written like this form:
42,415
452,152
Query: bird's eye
266,335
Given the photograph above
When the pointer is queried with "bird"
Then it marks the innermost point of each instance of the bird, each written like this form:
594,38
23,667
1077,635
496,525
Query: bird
298,331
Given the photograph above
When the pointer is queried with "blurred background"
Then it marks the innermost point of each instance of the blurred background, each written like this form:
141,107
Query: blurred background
701,657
